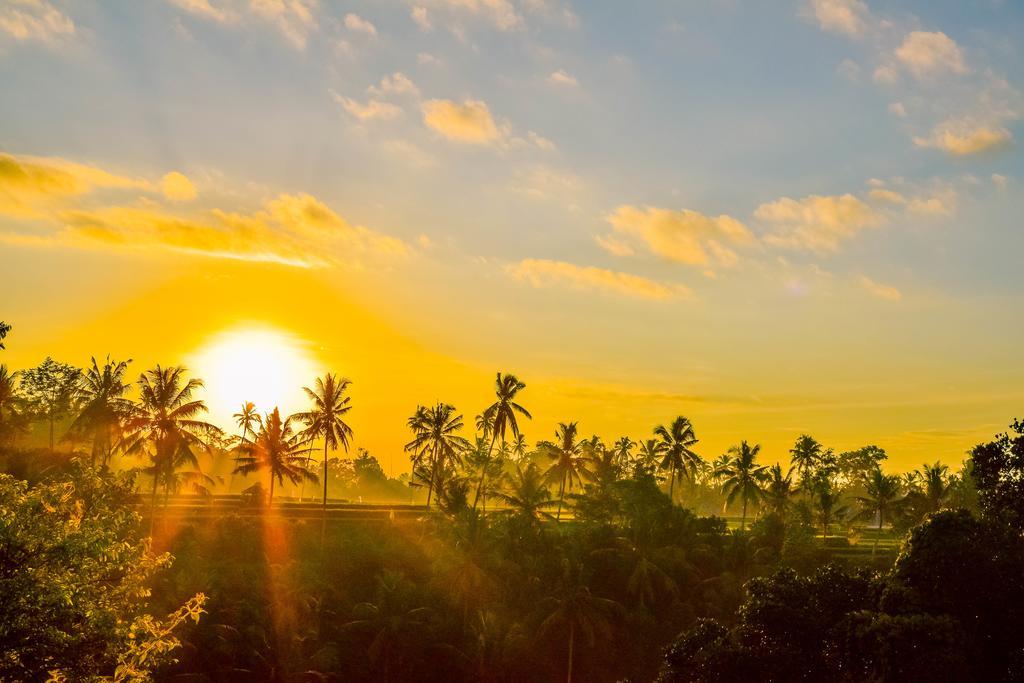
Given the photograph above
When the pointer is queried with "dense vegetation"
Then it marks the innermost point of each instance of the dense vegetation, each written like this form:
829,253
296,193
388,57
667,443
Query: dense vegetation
567,559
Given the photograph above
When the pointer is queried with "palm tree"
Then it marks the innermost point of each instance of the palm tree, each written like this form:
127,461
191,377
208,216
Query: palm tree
883,495
624,449
935,485
502,416
577,610
164,424
276,448
778,490
103,406
741,476
8,392
827,500
676,441
484,424
569,462
247,419
520,447
526,494
649,455
326,419
805,454
435,440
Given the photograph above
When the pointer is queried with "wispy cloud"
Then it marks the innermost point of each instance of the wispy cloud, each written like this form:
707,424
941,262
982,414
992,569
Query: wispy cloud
682,236
36,20
547,273
469,121
29,186
879,290
818,223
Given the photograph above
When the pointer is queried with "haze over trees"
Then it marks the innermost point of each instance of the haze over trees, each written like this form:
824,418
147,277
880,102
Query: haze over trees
493,559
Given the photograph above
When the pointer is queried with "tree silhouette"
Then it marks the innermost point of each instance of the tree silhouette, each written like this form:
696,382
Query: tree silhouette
778,490
436,441
569,461
164,425
677,456
742,477
8,395
805,455
577,611
526,494
104,408
326,418
278,449
502,416
4,329
49,390
883,494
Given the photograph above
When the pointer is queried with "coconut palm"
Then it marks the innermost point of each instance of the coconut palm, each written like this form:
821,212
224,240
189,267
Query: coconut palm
436,442
884,494
8,393
624,449
276,448
569,461
935,486
577,611
502,416
326,419
526,494
648,456
805,454
677,456
247,420
742,477
165,425
484,424
778,490
520,447
827,500
104,408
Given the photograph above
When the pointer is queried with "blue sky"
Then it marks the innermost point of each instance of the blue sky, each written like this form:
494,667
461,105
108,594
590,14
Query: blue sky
811,202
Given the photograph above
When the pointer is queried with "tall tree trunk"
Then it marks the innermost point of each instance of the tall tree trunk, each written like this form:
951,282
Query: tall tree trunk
270,502
483,472
323,512
743,522
671,482
152,508
561,497
572,643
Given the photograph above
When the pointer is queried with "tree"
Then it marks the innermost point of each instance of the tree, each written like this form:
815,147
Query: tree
526,494
165,426
742,477
883,495
569,461
778,490
932,488
624,450
4,329
998,473
677,456
827,499
502,416
857,464
8,396
104,408
436,442
648,457
806,455
278,449
75,575
49,390
578,611
326,419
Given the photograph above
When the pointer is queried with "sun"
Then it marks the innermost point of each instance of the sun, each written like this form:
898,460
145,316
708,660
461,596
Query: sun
263,365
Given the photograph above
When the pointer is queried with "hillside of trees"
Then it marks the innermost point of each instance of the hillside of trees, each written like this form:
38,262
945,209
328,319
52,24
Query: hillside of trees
562,559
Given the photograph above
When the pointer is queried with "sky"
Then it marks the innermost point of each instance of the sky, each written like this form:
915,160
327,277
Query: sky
774,217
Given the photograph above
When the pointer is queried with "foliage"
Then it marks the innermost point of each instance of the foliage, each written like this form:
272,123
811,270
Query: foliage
998,471
73,582
49,391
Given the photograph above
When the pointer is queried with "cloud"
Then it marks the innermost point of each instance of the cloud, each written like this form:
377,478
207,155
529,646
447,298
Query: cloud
546,273
888,196
205,10
408,153
841,16
30,185
562,79
468,122
614,246
849,70
427,58
879,290
940,204
683,236
927,53
371,111
176,187
294,18
395,84
421,18
35,20
817,223
501,14
1000,181
293,230
546,183
898,110
960,138
355,23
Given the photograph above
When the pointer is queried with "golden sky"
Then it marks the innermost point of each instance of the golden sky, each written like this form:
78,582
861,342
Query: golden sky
776,218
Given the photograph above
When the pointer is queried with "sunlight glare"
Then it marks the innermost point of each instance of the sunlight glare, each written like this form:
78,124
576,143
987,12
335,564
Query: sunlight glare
264,365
